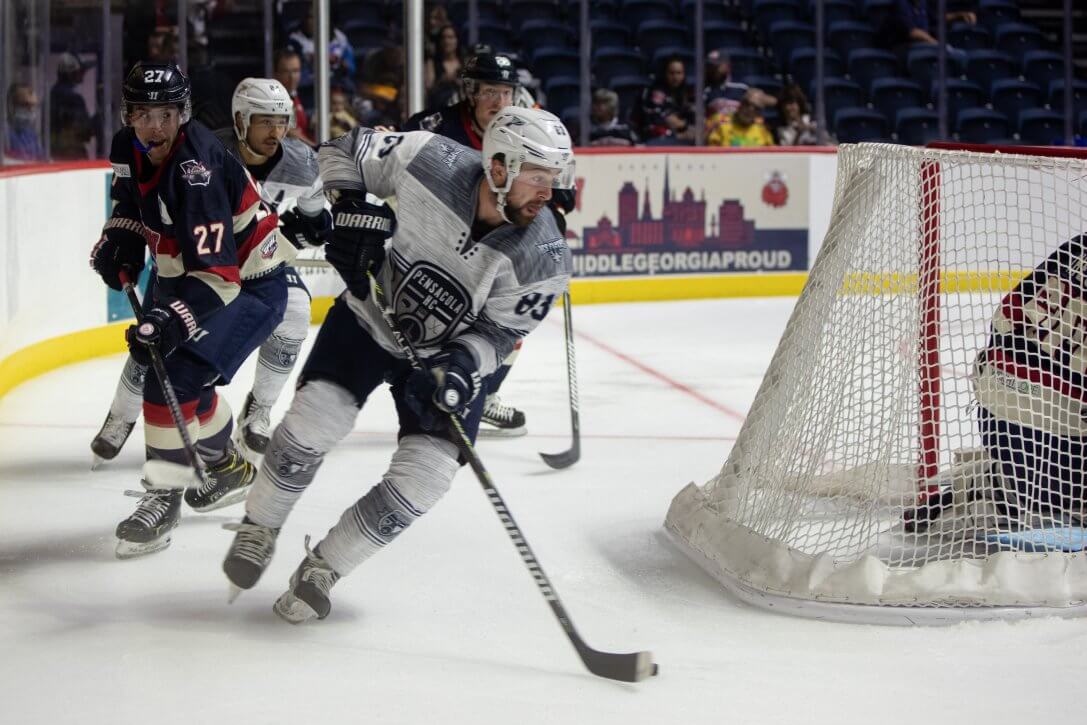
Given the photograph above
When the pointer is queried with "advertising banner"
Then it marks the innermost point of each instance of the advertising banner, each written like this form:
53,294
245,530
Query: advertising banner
693,211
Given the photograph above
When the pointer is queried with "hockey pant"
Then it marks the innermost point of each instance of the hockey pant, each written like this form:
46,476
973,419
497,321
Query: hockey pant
223,342
344,367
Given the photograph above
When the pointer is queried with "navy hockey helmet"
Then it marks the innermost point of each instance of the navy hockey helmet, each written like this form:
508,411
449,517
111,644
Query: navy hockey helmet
489,68
156,84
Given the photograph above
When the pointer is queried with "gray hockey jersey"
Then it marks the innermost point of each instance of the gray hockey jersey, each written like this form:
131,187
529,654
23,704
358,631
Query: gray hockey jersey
441,284
296,179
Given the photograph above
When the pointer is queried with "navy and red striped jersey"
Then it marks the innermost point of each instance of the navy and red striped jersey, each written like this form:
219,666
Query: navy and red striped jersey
201,214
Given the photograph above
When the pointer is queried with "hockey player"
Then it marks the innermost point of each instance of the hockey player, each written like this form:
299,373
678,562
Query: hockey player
289,181
475,262
490,85
218,291
1031,386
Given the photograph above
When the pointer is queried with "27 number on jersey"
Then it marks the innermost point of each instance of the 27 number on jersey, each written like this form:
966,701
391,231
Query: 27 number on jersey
202,232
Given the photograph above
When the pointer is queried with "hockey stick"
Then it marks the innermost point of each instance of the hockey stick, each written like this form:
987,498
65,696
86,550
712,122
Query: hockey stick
626,667
164,475
568,457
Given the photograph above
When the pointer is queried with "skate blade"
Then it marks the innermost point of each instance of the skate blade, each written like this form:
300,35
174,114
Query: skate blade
486,431
229,500
293,609
132,549
97,461
234,593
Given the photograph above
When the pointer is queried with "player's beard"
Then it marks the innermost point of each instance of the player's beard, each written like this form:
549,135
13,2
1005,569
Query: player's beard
519,214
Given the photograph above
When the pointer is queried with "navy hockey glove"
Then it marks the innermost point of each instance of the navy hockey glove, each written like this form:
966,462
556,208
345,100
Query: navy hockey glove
305,231
449,385
166,326
356,245
118,248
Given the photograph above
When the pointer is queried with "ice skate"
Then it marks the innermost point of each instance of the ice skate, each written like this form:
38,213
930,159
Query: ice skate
147,530
249,555
503,421
110,439
308,596
228,483
254,429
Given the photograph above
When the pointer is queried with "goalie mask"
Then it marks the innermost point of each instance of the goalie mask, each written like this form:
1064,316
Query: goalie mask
518,136
261,97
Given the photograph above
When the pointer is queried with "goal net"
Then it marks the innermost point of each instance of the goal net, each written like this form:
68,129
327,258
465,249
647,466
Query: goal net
915,452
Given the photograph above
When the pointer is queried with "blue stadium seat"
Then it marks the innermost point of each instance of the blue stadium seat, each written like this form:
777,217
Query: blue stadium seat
1043,67
960,96
608,33
539,33
629,89
1018,38
598,10
494,33
855,125
868,64
834,11
891,95
636,12
769,12
1041,127
922,61
487,9
571,118
653,35
562,92
609,63
747,62
965,36
995,12
365,34
1011,97
551,61
1079,95
917,126
876,12
839,93
766,83
785,35
985,66
723,34
684,53
712,12
981,125
802,65
846,36
523,11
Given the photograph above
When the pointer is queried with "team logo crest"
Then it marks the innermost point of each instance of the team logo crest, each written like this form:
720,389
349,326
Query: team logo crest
195,173
391,524
429,304
431,122
268,247
553,249
775,193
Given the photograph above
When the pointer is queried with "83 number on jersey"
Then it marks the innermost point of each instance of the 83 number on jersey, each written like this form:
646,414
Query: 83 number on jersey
536,305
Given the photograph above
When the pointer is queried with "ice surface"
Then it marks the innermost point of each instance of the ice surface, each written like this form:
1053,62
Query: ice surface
446,626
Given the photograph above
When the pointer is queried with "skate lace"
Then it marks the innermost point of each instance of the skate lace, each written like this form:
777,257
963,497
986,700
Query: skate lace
253,541
212,482
317,570
495,410
151,507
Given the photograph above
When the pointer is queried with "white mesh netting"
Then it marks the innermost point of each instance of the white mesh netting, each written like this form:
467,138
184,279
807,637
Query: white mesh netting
917,443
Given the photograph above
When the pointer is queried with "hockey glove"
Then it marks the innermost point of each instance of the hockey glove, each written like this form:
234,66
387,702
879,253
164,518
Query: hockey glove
449,385
118,248
356,245
165,326
305,231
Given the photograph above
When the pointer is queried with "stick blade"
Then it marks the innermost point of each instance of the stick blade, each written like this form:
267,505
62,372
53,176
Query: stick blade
563,460
631,667
165,476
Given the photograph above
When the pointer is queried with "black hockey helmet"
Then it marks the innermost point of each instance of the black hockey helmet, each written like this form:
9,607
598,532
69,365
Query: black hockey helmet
157,84
490,68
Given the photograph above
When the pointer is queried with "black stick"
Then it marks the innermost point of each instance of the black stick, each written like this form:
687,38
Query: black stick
167,389
568,457
626,667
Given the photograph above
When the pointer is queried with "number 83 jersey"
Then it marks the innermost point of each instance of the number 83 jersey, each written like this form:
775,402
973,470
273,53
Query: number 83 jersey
442,283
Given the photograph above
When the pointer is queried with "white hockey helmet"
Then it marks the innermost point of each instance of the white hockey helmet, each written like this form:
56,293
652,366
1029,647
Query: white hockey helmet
261,96
527,136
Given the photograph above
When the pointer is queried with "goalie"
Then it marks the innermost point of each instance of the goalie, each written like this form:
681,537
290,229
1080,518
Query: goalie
1032,396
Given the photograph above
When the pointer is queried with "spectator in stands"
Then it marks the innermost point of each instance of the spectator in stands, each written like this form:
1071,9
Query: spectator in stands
341,118
436,19
908,24
341,57
70,124
606,129
24,141
162,46
287,65
666,113
722,95
376,105
442,70
745,127
796,127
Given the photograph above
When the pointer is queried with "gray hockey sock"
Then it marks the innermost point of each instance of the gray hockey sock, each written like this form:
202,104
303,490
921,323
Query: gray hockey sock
274,364
128,400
